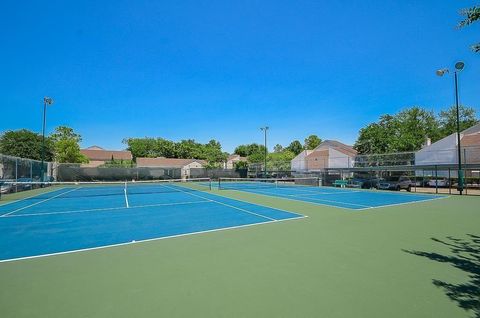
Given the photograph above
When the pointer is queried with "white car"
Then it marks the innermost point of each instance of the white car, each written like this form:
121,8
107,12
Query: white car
438,183
6,187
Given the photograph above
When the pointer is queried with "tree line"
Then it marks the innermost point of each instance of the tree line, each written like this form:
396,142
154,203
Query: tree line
281,156
409,129
401,132
184,149
60,146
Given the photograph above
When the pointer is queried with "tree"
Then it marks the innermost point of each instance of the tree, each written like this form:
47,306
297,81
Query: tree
448,119
247,150
405,131
295,147
280,161
164,148
312,142
278,148
212,152
415,125
471,15
256,157
185,149
25,144
66,146
377,137
188,149
141,147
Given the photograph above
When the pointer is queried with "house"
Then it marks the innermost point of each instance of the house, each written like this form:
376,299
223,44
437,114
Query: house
445,151
97,156
232,160
329,154
161,162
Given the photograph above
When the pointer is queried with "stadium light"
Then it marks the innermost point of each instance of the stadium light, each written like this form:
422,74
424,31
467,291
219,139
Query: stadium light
458,68
264,129
46,101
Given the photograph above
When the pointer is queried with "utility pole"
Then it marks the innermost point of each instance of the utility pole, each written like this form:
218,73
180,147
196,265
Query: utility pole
46,101
264,129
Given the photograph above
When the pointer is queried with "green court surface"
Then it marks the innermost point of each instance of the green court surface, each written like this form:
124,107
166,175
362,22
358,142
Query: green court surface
415,260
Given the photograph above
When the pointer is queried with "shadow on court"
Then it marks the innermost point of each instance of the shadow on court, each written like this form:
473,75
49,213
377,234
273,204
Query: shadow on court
465,255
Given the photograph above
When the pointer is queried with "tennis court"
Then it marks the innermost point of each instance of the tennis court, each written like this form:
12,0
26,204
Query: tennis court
308,190
380,261
78,216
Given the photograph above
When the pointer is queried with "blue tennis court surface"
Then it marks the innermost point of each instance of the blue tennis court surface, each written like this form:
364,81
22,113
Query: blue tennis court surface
330,196
77,218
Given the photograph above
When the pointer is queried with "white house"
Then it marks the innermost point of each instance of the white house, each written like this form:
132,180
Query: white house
232,160
445,151
329,154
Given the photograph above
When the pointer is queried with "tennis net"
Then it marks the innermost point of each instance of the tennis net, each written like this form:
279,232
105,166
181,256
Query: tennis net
255,183
47,190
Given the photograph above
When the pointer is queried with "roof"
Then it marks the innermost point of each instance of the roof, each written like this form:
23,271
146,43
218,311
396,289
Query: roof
105,155
469,137
318,153
94,148
167,162
472,130
303,154
337,145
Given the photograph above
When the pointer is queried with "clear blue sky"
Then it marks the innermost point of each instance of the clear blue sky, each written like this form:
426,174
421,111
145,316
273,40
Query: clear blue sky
222,69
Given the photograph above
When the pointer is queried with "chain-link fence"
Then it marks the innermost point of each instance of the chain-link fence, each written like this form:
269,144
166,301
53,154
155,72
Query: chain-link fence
217,173
325,159
24,170
77,172
441,179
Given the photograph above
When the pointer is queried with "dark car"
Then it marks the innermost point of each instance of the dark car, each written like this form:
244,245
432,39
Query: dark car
23,184
396,183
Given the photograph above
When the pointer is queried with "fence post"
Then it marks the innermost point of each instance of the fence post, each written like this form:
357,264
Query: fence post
436,179
449,182
465,180
415,180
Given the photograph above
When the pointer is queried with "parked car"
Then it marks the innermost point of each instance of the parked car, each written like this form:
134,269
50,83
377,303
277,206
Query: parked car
396,183
438,183
363,183
6,186
24,184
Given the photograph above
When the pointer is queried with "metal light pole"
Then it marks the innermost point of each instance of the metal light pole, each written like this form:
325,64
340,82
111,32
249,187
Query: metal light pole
458,68
264,129
46,101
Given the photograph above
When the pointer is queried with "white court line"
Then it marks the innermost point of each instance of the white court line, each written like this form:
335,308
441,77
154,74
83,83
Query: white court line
147,240
231,206
366,207
126,198
318,193
266,206
104,209
309,191
33,196
333,201
403,203
33,204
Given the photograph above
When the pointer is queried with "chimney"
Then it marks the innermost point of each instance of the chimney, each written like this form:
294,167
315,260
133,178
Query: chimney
428,142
